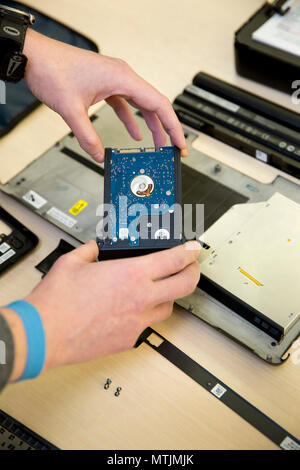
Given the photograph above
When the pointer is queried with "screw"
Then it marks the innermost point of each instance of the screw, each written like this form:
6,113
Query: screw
117,394
107,384
119,389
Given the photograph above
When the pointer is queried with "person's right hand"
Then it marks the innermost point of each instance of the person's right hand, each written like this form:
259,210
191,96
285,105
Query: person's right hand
92,309
69,80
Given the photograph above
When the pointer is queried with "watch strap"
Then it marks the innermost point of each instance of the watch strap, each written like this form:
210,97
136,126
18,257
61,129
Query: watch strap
13,28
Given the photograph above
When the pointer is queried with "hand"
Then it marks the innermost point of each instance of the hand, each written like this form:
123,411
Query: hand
69,80
92,309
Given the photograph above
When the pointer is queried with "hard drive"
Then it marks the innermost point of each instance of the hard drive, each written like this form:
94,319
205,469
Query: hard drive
142,202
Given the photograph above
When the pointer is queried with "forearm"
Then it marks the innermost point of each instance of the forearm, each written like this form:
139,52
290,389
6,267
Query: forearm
19,338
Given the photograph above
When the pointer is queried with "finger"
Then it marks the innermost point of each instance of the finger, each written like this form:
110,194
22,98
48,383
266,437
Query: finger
124,113
172,126
179,285
86,253
83,129
165,263
155,126
159,313
145,96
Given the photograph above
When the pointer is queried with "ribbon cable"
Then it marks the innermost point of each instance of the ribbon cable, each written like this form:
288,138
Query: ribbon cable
225,394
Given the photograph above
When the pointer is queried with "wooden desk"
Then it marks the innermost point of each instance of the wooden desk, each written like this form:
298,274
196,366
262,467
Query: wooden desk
159,407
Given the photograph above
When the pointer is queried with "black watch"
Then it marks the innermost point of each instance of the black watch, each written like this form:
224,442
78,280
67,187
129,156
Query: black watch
13,27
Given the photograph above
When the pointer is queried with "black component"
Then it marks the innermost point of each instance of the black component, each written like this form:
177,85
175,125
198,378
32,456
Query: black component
119,389
241,308
260,62
47,263
106,386
198,188
106,252
279,6
84,161
108,381
225,394
123,249
243,120
13,27
12,67
16,436
117,394
143,336
15,245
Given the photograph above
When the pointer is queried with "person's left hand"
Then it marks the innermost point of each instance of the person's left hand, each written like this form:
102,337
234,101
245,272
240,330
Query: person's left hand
69,80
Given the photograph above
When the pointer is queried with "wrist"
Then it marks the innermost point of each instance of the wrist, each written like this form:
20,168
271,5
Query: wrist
20,344
30,45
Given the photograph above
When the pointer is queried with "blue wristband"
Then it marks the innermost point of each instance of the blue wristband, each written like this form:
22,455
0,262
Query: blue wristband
35,334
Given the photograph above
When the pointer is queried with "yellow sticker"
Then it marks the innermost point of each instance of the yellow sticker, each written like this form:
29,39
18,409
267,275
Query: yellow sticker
78,207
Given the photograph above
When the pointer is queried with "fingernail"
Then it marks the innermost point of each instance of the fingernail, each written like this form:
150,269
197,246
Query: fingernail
184,153
193,245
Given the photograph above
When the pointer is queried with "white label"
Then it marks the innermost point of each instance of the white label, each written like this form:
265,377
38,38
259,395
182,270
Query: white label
4,247
123,233
213,98
218,390
289,444
6,256
61,217
262,156
34,199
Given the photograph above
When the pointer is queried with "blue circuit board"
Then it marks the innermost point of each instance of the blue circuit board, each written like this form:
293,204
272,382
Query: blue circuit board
143,181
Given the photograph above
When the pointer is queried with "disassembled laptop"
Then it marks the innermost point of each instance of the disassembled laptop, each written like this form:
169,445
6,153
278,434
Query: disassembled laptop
249,287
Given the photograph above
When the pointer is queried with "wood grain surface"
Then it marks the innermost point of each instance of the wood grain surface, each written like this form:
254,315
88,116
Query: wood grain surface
159,407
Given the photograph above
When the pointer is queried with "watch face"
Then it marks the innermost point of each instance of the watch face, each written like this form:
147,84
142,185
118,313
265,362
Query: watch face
13,67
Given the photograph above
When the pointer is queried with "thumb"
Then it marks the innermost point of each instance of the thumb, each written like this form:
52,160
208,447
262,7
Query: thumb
85,133
86,253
